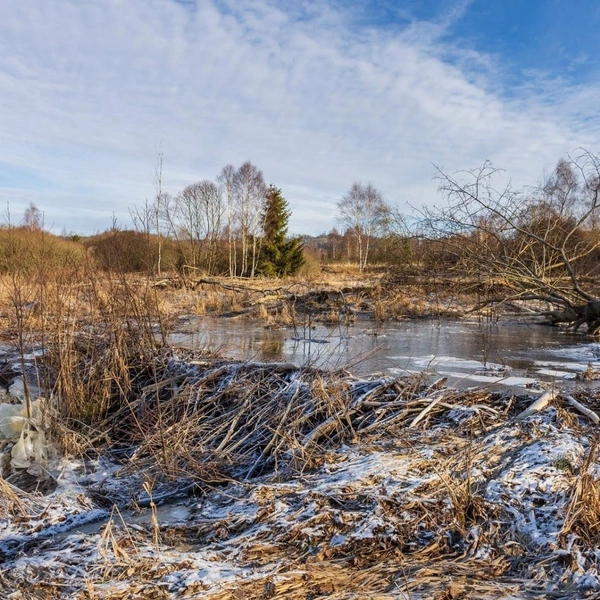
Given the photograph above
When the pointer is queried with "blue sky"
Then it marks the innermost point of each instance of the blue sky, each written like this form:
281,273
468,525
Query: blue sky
317,94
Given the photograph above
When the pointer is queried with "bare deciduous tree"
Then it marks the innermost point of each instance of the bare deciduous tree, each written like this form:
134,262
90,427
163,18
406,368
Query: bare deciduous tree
250,197
155,217
189,219
159,202
363,212
227,181
33,217
537,245
212,201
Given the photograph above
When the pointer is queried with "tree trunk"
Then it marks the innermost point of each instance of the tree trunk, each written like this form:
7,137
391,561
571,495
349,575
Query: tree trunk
575,316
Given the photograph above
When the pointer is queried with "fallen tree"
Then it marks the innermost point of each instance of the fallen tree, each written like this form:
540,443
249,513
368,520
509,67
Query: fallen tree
540,245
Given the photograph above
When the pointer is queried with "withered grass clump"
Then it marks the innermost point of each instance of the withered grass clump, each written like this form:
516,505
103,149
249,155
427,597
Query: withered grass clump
17,504
94,360
225,419
582,517
82,335
11,502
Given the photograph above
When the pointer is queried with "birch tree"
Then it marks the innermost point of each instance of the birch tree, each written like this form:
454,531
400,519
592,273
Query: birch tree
198,219
227,181
363,212
250,194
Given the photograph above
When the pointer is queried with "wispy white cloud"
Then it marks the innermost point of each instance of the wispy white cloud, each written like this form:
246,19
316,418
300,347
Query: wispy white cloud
89,89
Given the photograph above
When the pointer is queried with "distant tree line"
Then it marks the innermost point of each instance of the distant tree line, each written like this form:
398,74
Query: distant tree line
539,244
236,225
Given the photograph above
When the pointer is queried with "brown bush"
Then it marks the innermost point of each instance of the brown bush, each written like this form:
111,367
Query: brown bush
32,251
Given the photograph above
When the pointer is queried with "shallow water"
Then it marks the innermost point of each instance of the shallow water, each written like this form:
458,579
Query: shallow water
468,352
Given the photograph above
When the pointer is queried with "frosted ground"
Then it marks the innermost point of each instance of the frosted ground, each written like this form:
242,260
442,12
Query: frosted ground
403,489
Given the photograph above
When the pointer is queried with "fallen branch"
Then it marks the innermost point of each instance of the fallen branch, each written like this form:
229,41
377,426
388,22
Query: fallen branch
589,413
426,410
537,406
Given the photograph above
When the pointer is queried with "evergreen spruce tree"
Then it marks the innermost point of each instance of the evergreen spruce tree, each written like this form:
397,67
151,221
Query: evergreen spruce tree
278,256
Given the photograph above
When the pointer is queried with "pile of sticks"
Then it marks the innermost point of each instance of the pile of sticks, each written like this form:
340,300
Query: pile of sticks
214,420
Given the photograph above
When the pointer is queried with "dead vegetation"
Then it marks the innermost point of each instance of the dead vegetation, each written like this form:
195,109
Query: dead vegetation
301,483
72,297
310,484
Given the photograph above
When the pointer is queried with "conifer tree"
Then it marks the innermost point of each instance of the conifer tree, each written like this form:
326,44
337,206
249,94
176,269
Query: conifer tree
279,257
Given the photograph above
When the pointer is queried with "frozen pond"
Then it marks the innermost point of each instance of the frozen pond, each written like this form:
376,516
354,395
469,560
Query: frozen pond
515,354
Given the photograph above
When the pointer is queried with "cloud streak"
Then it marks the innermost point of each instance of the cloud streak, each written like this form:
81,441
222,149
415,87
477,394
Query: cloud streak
89,89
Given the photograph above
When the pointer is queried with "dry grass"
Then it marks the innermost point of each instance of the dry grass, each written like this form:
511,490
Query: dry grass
229,420
13,502
194,424
404,511
74,297
582,519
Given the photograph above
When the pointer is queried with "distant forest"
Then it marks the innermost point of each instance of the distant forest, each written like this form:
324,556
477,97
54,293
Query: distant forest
236,226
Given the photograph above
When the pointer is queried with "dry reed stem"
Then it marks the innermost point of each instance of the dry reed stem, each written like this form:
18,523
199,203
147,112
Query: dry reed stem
13,502
582,518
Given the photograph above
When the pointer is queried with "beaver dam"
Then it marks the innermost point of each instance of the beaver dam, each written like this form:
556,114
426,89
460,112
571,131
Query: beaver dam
228,480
